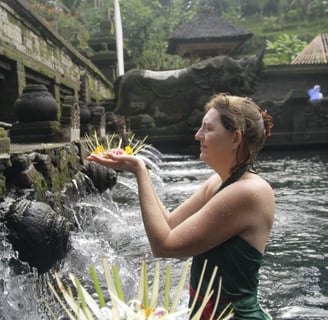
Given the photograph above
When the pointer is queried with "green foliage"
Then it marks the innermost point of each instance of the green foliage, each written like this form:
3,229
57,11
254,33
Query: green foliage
74,31
148,24
234,14
63,17
285,48
271,23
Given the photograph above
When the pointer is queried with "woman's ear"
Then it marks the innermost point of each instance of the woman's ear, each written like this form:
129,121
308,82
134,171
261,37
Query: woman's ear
237,139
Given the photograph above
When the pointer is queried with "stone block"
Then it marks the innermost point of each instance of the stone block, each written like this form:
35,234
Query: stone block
4,145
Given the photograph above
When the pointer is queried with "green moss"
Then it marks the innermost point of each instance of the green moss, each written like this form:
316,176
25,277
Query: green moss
3,133
4,145
40,186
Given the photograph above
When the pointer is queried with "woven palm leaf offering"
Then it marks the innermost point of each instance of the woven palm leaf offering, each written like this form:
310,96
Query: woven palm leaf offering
114,144
86,306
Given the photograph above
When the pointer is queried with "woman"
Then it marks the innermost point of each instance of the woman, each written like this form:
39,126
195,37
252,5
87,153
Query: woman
227,221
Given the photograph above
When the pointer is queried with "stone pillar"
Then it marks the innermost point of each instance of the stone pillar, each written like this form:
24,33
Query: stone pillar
70,119
98,119
21,77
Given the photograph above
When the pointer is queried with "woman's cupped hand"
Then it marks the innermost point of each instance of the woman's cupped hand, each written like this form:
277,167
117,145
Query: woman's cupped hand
117,159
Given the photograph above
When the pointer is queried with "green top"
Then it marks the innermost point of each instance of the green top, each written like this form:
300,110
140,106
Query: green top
238,264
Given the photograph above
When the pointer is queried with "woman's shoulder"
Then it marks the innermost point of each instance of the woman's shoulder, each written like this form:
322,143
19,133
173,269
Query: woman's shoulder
253,187
211,185
251,193
255,183
257,195
250,182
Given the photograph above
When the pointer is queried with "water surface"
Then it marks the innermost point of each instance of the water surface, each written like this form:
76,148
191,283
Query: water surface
293,279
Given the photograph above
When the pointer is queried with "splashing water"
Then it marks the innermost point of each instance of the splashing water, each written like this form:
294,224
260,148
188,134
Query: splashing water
293,280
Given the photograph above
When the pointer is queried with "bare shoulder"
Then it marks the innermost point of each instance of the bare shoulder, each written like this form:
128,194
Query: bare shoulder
254,185
251,197
258,197
251,186
211,185
255,190
255,181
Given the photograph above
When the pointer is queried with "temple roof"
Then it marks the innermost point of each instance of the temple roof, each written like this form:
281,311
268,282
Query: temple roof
316,52
207,33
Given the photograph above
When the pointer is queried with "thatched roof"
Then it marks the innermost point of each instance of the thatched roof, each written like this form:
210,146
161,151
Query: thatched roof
315,53
207,32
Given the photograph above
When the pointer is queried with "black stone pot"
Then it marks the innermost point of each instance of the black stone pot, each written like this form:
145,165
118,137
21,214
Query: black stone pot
35,104
38,233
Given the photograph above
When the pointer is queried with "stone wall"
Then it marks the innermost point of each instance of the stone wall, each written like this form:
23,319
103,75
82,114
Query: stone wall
283,91
42,170
30,52
277,82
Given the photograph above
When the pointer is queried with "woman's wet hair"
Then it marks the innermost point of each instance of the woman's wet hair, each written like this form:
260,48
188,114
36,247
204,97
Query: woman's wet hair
242,113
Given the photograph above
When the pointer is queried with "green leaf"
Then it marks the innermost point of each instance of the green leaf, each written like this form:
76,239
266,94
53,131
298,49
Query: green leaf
110,281
118,283
180,286
97,286
145,285
155,287
86,299
167,288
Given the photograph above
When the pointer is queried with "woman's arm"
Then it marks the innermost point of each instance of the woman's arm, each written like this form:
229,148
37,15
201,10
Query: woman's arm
156,220
184,210
203,221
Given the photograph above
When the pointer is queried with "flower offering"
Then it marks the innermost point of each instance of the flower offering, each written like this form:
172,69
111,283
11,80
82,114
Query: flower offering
114,144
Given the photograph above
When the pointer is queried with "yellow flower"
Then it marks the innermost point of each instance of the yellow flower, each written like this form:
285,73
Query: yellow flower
129,150
98,149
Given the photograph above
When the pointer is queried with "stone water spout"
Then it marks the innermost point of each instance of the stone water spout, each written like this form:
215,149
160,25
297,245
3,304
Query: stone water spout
38,233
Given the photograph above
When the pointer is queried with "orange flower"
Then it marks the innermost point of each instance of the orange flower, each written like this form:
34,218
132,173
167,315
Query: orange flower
147,312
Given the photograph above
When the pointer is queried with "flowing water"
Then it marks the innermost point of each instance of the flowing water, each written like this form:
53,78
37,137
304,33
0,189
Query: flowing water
293,279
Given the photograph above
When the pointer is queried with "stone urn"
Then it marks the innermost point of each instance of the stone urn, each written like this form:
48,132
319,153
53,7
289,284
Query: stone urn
38,233
36,104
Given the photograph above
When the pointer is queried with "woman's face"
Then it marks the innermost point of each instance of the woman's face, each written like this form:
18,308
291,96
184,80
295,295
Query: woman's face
215,140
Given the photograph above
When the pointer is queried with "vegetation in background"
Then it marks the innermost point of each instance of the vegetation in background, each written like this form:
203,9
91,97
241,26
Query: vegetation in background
147,26
284,25
64,17
284,49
